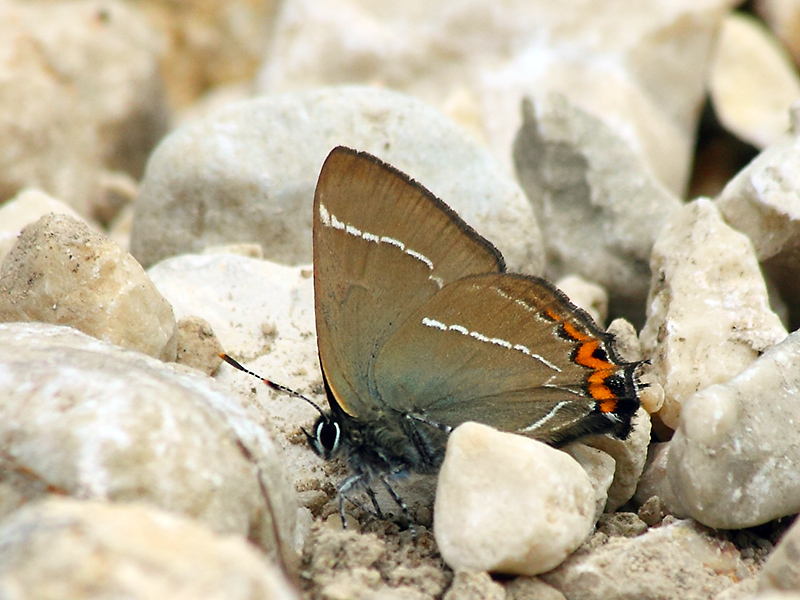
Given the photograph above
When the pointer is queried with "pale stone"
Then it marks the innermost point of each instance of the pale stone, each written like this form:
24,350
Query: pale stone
653,481
783,18
586,295
83,418
629,457
346,564
743,590
626,340
81,95
209,43
66,548
600,468
733,461
198,347
468,585
262,314
509,504
678,560
531,588
117,193
599,206
641,66
242,175
781,571
762,202
62,272
752,82
23,209
708,309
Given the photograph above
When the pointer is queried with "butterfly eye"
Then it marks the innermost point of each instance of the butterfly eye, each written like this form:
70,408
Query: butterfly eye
325,441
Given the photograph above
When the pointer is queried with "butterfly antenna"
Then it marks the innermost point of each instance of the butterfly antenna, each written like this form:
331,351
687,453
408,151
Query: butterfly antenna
275,386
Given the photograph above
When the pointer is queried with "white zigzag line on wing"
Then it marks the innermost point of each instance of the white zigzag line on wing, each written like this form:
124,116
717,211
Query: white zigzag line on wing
329,220
482,338
544,419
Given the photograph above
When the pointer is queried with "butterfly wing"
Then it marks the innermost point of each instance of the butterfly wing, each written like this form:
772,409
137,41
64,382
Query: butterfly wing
383,246
512,352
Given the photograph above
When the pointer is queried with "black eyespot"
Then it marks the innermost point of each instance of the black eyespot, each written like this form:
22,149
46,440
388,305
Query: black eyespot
600,354
328,435
325,439
616,384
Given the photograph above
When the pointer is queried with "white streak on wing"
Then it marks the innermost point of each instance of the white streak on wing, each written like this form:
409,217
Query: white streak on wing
336,223
501,342
482,338
434,323
371,237
518,301
390,240
420,257
478,336
329,220
324,215
536,425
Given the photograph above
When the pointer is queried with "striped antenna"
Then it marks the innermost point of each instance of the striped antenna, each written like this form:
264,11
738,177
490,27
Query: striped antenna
275,386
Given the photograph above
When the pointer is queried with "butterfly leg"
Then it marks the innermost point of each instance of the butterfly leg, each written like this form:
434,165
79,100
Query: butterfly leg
344,490
398,500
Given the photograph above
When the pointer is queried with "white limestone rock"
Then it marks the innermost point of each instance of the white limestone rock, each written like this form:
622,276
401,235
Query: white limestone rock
86,419
197,346
66,548
762,202
61,272
677,560
247,173
640,66
752,81
629,458
708,310
781,571
207,44
81,95
598,204
23,209
783,18
600,468
509,504
733,460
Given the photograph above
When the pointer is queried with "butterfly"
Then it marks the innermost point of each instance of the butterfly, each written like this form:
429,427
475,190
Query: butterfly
420,328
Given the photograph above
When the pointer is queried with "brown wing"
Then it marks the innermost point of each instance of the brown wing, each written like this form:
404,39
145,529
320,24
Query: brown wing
512,352
383,246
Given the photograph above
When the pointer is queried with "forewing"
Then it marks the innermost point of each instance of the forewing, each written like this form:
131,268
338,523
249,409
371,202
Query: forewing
383,246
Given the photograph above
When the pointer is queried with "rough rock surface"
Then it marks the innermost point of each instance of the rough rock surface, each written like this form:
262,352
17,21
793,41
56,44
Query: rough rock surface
66,548
81,96
733,460
83,418
61,272
599,206
762,202
508,504
708,310
242,174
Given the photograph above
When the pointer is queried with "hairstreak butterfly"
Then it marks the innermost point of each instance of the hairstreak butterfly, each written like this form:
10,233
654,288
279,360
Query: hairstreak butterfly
420,329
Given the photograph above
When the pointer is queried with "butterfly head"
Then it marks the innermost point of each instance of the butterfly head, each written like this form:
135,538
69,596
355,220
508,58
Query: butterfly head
325,437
